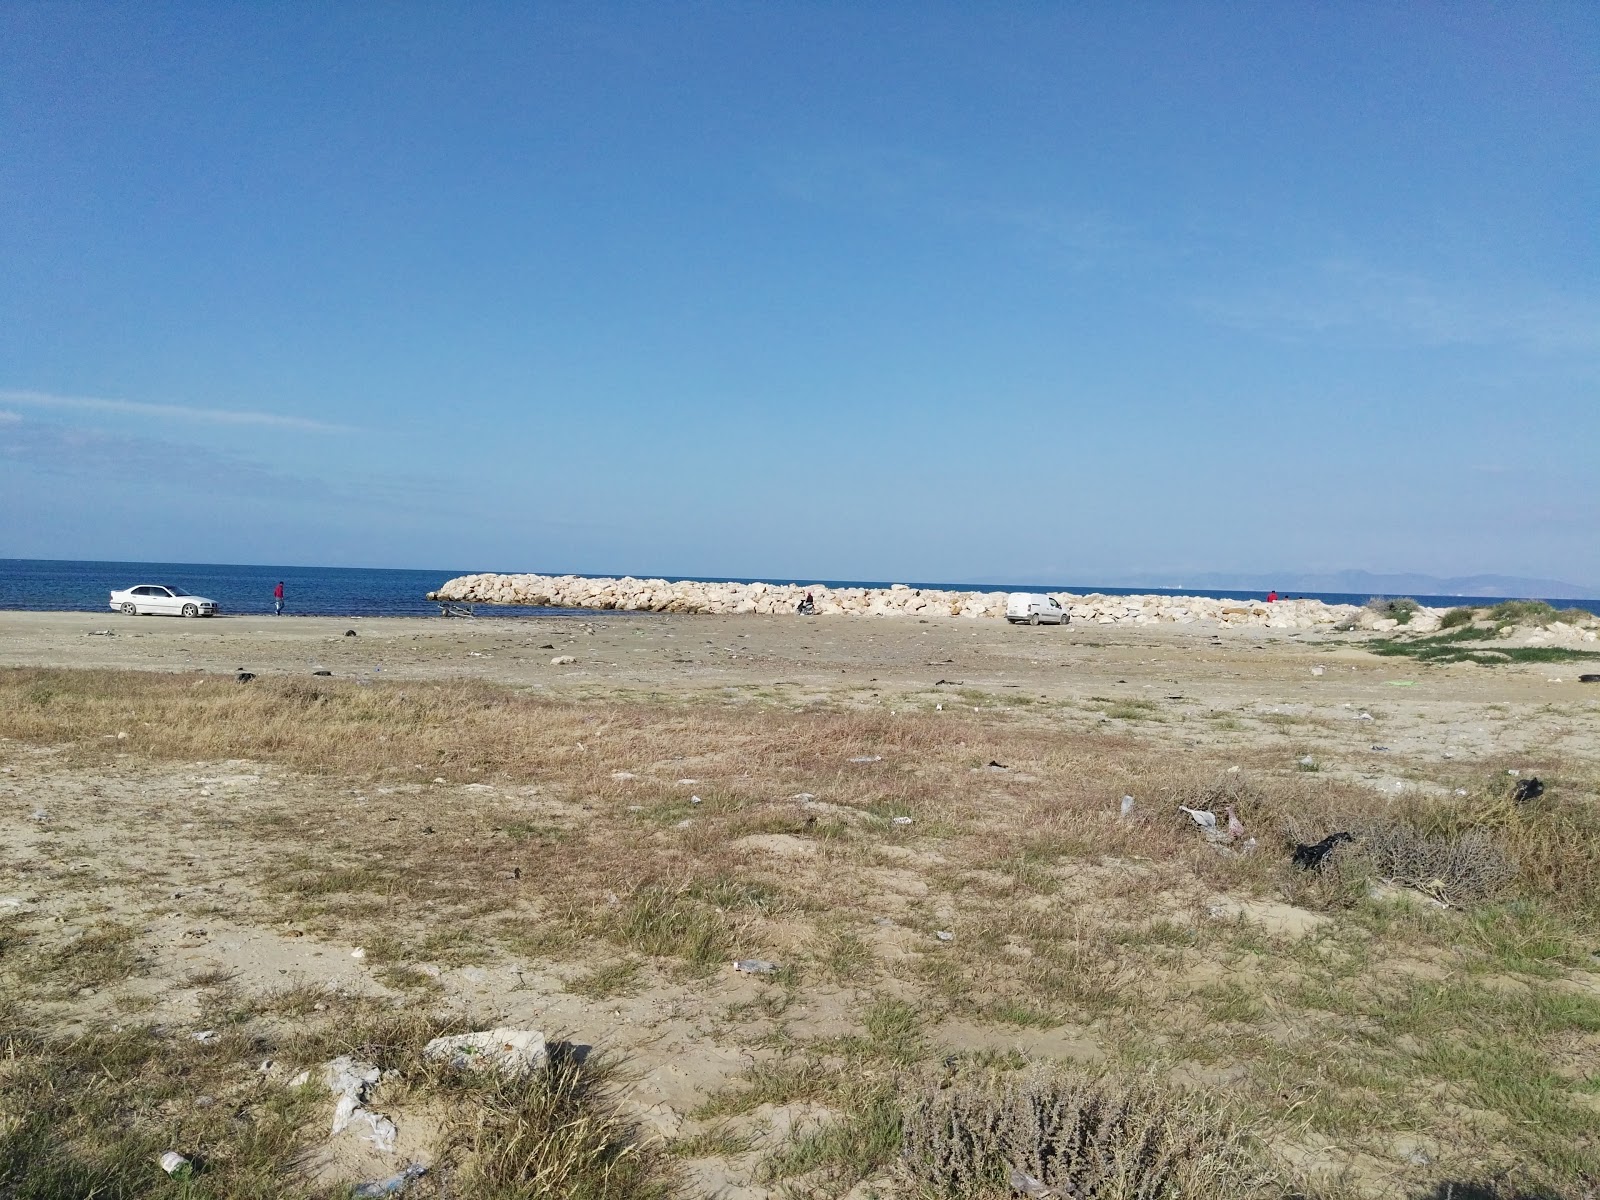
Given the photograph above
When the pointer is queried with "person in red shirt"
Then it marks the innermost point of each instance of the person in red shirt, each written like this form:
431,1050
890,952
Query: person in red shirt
1272,596
277,599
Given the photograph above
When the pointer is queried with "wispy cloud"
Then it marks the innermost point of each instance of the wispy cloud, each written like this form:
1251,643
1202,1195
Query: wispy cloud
1342,295
63,450
168,412
894,184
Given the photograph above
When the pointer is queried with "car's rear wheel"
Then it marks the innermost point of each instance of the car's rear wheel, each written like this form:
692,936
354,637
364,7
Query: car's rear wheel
130,609
1034,619
190,610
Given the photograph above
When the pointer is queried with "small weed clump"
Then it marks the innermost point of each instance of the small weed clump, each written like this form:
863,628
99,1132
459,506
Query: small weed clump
670,923
558,1134
1457,617
1075,1136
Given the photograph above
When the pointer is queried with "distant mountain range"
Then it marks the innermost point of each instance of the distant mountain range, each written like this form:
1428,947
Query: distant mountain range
1375,585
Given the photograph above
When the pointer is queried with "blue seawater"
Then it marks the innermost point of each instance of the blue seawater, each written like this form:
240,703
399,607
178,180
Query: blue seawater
53,585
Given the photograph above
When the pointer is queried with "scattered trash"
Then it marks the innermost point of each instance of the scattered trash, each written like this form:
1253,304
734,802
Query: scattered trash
244,676
1461,791
440,779
1401,682
866,758
390,1186
803,796
102,633
1235,826
1363,716
513,1053
1127,807
1026,1185
206,1036
1307,761
944,935
1316,670
176,1165
998,766
1528,789
623,775
322,672
1381,749
1589,678
1203,818
350,633
350,1081
1311,858
696,800
562,660
899,820
38,814
358,952
754,966
1513,771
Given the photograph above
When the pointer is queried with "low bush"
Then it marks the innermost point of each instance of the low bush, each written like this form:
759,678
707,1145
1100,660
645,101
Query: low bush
1459,868
1458,616
1073,1136
1400,609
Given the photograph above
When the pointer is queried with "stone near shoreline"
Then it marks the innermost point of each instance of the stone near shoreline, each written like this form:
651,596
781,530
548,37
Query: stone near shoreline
660,595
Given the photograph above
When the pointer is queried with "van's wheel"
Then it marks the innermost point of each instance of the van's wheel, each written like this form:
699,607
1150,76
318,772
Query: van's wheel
190,610
1034,619
129,609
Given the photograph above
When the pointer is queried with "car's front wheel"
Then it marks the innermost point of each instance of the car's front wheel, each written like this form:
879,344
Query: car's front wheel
190,610
130,609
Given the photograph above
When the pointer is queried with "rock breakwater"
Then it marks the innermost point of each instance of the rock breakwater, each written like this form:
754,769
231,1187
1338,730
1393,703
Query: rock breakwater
661,595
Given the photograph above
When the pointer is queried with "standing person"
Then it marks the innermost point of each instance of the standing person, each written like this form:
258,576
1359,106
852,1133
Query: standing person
277,599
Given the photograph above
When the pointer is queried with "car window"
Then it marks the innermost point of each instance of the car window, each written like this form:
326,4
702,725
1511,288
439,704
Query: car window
1053,603
169,590
141,591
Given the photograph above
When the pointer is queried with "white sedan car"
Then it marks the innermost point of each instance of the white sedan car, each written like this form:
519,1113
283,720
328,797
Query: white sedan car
161,598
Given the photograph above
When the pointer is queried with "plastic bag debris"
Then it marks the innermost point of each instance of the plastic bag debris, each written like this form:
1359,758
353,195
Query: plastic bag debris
390,1186
866,758
899,820
176,1165
944,935
754,966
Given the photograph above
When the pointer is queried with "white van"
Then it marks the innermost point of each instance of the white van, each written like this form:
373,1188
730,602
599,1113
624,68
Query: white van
1036,609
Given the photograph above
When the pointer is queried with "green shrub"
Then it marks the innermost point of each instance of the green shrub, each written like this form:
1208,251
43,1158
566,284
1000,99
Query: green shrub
1458,616
1522,612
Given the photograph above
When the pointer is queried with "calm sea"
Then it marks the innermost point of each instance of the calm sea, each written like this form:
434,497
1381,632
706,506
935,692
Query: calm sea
64,586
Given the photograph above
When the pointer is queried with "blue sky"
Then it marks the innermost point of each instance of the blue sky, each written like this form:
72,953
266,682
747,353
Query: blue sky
854,291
